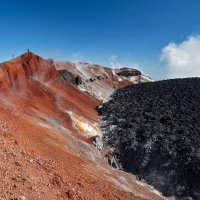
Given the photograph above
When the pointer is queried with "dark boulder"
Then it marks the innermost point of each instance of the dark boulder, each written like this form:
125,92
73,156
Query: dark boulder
78,80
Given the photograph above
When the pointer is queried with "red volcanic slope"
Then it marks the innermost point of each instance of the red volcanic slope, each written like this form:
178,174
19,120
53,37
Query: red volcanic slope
45,130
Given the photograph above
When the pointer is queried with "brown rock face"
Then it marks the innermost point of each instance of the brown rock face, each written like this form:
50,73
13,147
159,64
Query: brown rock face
46,126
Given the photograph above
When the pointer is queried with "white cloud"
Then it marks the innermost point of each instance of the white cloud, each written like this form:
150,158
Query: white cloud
77,56
116,64
182,60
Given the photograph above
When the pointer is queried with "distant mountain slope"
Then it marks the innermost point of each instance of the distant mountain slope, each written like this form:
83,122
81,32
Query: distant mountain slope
47,127
154,129
100,82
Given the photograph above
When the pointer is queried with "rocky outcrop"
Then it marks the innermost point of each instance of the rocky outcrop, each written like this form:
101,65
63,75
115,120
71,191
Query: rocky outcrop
127,72
154,130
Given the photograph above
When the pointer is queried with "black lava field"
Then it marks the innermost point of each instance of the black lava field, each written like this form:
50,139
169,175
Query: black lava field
154,129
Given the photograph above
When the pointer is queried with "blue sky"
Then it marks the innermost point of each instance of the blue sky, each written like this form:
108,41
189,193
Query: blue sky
107,32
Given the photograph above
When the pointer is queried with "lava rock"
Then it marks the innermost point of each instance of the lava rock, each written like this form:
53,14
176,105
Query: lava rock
154,129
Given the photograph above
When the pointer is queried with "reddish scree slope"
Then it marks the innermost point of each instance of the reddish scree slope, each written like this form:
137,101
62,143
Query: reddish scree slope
45,130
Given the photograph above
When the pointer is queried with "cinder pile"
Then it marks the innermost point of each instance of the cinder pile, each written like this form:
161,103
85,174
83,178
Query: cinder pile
155,131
